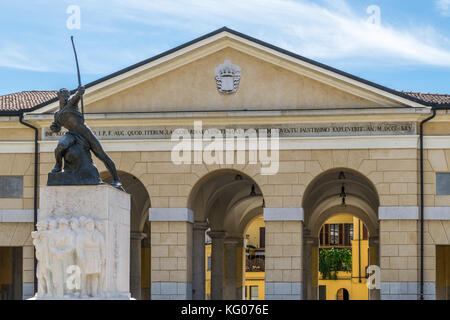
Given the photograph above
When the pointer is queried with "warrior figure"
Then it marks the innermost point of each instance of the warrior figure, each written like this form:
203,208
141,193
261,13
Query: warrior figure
71,118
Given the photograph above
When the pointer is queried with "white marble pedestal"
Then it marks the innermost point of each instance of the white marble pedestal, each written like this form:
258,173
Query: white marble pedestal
106,205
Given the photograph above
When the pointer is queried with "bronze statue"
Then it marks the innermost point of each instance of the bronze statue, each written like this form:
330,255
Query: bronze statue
75,146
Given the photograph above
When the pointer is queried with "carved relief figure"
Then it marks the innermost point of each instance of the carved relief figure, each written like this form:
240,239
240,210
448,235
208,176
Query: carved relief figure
40,241
59,246
91,246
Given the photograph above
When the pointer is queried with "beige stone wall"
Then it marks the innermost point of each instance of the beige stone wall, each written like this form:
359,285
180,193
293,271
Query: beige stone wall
171,250
399,250
393,172
19,164
437,128
283,251
16,134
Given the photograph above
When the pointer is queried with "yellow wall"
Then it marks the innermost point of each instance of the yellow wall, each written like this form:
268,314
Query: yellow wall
253,231
207,272
349,280
255,279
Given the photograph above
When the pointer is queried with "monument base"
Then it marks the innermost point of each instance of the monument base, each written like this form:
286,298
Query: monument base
72,178
83,243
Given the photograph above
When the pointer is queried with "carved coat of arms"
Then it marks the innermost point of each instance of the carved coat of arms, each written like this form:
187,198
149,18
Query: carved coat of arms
227,77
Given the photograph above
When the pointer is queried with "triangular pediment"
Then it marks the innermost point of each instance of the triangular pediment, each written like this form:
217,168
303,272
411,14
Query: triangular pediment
183,79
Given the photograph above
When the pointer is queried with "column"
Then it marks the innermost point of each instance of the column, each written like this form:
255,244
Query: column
284,230
310,266
374,259
198,253
171,249
232,282
135,263
217,264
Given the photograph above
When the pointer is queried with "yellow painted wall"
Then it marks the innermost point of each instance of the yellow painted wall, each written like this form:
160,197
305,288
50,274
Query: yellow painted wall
255,279
252,231
350,280
207,272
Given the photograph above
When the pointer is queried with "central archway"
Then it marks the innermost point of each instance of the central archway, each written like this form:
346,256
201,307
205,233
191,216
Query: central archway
336,191
223,201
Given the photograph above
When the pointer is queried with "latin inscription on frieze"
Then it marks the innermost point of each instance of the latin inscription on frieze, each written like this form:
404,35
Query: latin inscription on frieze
285,130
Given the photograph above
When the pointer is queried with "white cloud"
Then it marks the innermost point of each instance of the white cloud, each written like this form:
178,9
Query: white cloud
323,30
331,30
444,7
14,56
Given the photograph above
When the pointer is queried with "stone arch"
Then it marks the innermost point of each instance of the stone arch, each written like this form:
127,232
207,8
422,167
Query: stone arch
223,200
323,199
326,187
213,185
140,204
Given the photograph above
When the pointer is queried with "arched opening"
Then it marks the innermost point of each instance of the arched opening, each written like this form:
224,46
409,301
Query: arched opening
140,262
342,294
223,202
254,244
339,191
343,257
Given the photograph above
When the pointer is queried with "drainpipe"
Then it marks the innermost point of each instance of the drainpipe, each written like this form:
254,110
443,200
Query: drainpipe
422,202
359,249
36,186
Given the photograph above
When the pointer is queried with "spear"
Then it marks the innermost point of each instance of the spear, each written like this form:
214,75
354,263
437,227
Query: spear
79,77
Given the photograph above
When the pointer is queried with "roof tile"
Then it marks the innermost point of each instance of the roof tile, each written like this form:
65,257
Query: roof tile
25,99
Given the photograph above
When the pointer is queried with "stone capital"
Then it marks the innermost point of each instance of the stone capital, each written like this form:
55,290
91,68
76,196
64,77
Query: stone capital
137,236
233,241
201,225
217,234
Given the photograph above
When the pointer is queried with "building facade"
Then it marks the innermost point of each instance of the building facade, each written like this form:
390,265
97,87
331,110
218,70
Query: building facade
335,130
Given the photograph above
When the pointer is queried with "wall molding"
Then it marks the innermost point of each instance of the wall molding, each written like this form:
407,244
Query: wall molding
412,213
171,214
398,213
17,215
283,214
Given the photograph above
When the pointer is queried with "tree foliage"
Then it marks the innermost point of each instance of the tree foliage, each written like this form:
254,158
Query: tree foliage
333,260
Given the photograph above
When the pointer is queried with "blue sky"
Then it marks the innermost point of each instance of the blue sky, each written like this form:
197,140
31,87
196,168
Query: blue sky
408,48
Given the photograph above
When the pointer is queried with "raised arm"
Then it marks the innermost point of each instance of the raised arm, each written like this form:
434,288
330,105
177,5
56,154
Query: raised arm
73,102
